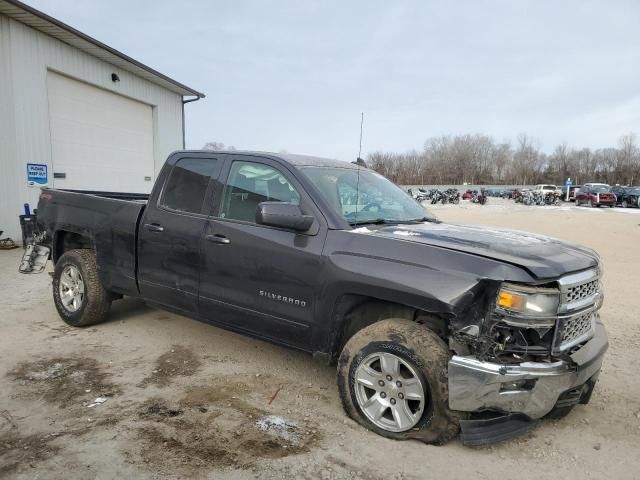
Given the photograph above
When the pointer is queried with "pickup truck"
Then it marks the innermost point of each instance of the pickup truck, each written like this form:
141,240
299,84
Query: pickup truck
435,328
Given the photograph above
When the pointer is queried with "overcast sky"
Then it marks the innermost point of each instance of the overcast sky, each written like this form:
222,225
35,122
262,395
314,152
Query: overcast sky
295,75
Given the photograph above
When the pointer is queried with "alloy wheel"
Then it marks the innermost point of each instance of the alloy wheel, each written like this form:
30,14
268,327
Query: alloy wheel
389,392
71,288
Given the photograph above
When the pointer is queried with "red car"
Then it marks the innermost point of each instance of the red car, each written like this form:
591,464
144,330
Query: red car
467,195
598,196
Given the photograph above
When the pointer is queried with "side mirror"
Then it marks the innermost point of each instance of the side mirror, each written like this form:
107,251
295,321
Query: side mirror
283,215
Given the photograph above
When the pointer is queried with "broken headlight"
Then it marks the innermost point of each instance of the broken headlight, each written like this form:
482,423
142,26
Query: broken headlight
526,306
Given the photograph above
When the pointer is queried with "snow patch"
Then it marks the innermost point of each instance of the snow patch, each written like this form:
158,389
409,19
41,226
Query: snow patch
406,233
280,428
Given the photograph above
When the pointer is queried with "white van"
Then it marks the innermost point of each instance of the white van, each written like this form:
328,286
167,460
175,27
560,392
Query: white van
545,188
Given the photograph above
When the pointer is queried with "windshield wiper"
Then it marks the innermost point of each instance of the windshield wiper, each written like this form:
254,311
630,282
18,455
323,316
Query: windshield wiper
423,219
386,221
377,221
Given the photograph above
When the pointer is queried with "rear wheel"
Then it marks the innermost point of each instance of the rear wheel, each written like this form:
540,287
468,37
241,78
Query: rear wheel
392,378
80,298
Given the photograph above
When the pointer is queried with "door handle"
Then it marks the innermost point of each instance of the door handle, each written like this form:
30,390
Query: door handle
153,227
221,239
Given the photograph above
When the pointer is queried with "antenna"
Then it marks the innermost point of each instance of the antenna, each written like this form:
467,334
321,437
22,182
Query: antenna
358,164
361,122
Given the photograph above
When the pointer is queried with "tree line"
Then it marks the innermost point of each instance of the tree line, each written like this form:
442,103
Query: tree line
478,159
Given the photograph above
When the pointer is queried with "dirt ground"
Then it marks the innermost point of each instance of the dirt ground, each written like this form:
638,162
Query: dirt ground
151,394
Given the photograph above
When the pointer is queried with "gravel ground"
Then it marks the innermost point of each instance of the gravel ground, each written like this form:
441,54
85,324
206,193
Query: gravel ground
151,394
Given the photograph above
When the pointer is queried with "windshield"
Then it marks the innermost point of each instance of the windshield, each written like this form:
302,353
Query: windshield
370,199
634,191
600,189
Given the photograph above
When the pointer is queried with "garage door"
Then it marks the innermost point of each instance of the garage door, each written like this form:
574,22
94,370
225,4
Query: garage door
99,140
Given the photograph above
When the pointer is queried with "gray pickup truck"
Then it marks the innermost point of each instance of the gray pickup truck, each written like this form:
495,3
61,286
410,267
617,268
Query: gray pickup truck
435,328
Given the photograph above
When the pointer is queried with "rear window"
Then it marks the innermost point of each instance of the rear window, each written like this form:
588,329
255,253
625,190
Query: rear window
187,184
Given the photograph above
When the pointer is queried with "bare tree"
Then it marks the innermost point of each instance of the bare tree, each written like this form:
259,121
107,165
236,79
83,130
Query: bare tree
217,146
478,159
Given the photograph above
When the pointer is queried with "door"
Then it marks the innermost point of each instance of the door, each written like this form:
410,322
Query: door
171,230
99,140
261,279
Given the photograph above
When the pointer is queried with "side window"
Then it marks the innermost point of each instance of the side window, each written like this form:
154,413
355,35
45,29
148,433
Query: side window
187,184
251,183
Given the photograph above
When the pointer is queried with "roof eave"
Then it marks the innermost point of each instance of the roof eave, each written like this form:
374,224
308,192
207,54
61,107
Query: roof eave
35,19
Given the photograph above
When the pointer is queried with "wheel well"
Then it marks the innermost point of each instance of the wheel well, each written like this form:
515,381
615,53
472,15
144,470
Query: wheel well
356,312
66,241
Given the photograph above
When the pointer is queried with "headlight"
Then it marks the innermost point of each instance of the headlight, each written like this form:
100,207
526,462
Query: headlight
528,306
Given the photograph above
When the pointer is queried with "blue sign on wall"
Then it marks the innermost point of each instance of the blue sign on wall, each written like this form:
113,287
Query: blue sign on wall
37,174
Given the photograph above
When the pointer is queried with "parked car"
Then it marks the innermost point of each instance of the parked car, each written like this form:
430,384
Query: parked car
573,189
619,192
596,196
631,197
545,188
433,326
467,195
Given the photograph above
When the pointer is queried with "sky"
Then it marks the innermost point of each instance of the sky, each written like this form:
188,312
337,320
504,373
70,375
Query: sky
295,75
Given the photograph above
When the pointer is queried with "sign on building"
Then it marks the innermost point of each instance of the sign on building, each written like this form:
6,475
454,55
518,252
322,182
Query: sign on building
37,174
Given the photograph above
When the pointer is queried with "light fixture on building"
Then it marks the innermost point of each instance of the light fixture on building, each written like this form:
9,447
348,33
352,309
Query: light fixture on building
115,78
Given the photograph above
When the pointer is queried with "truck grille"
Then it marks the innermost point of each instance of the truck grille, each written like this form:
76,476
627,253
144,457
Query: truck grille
576,324
576,327
582,291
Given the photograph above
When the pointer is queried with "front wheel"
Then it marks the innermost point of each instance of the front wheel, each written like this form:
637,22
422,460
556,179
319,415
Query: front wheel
625,204
392,378
80,298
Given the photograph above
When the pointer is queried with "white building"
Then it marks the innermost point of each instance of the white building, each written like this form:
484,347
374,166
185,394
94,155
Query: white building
77,114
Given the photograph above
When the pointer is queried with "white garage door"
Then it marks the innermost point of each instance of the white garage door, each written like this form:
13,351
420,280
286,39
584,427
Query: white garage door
99,140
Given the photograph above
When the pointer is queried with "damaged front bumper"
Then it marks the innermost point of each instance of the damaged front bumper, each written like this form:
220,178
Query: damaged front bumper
529,390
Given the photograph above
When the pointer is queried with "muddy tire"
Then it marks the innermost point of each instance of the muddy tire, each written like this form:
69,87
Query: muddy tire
423,363
80,298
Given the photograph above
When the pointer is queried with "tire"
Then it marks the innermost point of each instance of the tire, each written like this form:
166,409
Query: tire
93,301
423,358
625,204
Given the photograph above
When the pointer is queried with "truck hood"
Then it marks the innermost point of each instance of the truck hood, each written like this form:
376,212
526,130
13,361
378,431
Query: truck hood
544,257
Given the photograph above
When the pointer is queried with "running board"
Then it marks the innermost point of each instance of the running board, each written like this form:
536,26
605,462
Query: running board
483,432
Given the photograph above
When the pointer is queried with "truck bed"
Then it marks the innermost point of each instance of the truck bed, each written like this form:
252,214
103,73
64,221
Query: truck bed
109,220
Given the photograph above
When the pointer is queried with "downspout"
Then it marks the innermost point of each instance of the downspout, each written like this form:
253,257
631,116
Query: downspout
183,103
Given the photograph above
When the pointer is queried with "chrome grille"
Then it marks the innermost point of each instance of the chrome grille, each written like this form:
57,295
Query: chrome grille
582,291
578,310
576,327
